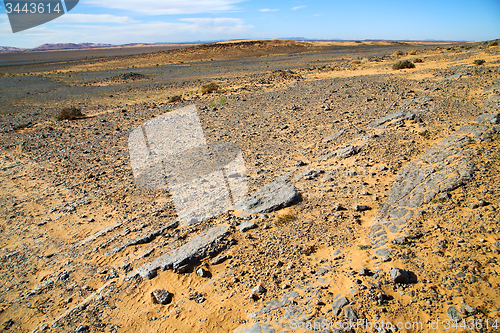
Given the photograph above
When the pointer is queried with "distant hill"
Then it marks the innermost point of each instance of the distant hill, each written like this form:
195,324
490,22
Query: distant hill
68,46
10,49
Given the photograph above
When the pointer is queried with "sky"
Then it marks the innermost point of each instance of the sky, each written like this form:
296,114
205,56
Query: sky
174,21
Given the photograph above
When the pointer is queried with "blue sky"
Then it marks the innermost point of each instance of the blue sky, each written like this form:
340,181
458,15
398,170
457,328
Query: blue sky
170,21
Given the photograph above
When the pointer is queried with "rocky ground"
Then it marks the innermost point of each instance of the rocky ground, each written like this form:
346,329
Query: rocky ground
373,196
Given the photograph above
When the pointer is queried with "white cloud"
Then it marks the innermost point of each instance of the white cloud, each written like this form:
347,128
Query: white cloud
93,18
221,25
268,10
184,30
298,7
163,7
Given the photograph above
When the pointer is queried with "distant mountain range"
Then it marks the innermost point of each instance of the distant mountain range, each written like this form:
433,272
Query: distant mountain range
65,46
74,46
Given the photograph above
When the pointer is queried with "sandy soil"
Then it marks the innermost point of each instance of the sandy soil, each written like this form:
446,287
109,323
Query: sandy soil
65,181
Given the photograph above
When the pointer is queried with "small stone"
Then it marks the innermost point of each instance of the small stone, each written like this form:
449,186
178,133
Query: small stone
350,314
202,272
220,259
399,275
82,328
399,240
246,225
361,208
453,314
468,310
258,290
161,296
364,272
338,305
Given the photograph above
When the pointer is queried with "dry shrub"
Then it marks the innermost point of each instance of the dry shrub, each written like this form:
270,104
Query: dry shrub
70,113
398,53
209,88
479,62
284,219
403,64
175,98
418,60
412,52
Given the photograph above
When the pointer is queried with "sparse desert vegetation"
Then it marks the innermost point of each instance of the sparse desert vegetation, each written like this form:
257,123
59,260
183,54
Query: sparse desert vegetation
70,113
371,191
209,88
402,64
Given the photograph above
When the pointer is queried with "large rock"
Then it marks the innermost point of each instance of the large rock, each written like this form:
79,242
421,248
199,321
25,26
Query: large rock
453,314
333,136
399,275
347,152
492,118
273,196
446,166
399,115
162,297
277,304
256,328
197,248
338,305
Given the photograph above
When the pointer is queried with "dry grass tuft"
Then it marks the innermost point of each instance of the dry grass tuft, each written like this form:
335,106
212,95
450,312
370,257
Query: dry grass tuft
70,113
175,98
403,64
284,219
209,88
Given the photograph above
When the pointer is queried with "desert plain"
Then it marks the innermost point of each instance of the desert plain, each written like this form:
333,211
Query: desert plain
373,192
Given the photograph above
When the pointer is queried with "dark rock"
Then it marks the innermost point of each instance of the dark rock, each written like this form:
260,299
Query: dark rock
256,328
488,117
347,152
338,305
361,208
333,136
259,289
202,272
400,240
197,248
453,314
350,314
246,225
271,197
82,328
364,272
277,303
399,275
383,252
161,297
400,115
220,259
144,239
468,310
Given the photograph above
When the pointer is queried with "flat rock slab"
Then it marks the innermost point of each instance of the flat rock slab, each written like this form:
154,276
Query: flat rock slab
277,304
197,248
256,328
399,115
446,166
333,136
246,225
273,196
